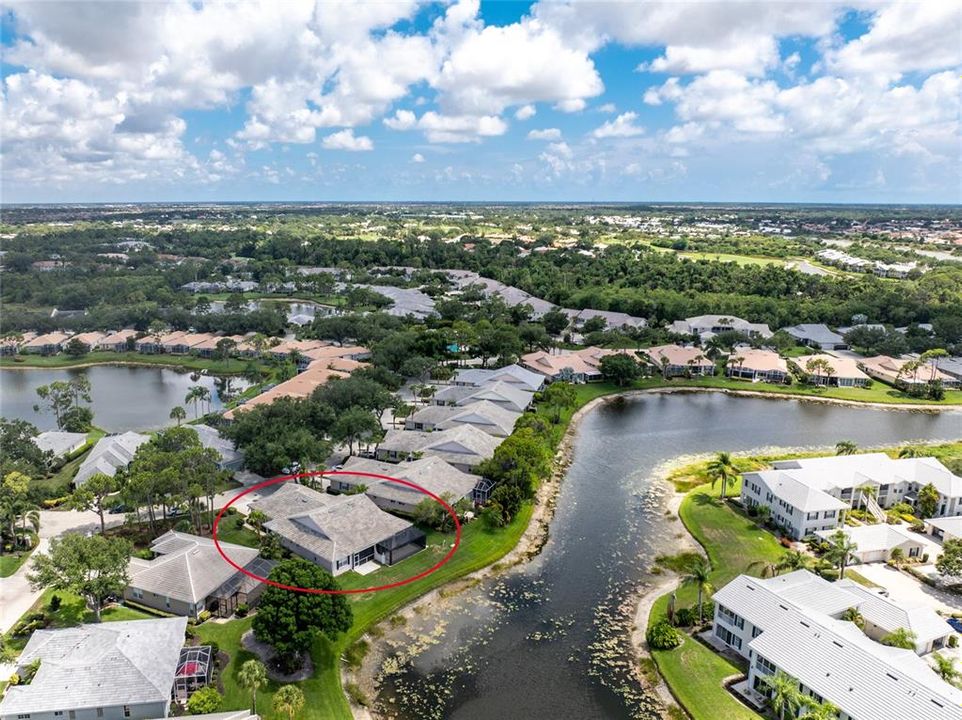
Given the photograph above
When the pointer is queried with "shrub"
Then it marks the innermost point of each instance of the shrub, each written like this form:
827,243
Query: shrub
786,542
686,617
241,610
909,518
355,654
214,647
662,636
203,616
953,641
205,700
55,602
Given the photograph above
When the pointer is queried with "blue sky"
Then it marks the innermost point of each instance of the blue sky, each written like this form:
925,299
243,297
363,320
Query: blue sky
712,101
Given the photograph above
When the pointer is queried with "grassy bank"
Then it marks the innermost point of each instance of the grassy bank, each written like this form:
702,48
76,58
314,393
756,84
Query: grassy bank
187,362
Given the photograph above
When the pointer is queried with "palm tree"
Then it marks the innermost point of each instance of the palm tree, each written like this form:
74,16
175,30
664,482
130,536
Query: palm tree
901,638
945,667
840,551
932,357
193,396
819,711
252,676
897,557
791,561
178,413
289,699
256,519
853,614
783,693
721,468
845,447
698,574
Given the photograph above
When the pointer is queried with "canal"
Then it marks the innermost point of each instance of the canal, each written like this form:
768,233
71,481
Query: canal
124,397
550,639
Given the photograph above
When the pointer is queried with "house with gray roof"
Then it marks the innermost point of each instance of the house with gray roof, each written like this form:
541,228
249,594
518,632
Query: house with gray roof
346,532
613,320
230,457
431,473
817,335
493,419
60,444
109,455
112,670
188,575
499,393
465,447
707,326
515,375
792,623
876,542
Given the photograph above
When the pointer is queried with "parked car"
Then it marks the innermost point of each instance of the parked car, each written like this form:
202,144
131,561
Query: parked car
956,624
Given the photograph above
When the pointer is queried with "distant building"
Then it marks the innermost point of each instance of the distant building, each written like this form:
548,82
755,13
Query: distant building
843,371
707,326
577,366
516,375
60,444
465,447
679,360
818,336
431,473
109,455
757,364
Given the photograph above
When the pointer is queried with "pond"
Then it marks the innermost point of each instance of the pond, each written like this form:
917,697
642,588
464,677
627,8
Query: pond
125,397
550,639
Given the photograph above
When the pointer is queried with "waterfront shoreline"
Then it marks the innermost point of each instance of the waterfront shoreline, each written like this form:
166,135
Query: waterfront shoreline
537,534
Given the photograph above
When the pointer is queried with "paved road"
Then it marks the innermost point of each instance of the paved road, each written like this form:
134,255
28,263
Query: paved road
909,591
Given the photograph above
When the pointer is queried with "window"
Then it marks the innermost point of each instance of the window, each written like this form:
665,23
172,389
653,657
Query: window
73,715
137,594
728,637
764,665
100,712
126,710
23,716
731,618
829,514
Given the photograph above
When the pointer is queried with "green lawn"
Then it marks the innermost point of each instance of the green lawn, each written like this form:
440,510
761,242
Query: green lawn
733,542
11,562
726,257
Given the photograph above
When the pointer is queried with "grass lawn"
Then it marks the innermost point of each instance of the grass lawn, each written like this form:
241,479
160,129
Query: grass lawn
72,611
189,362
11,562
726,257
733,542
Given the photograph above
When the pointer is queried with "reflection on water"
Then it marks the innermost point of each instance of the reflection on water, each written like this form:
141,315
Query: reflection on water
124,397
550,640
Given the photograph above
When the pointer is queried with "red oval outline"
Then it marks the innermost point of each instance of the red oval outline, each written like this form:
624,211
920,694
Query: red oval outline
353,591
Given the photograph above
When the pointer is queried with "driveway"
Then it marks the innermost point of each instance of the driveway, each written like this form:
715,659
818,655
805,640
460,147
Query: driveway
906,590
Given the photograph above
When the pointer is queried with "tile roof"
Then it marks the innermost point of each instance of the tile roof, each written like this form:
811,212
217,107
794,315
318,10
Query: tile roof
678,355
351,524
431,473
510,374
109,455
189,568
210,438
500,393
462,445
292,498
757,359
101,665
59,443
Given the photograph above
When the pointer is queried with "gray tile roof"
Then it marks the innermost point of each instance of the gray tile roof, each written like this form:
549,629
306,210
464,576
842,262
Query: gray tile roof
510,374
484,415
109,455
211,438
59,443
353,523
463,445
431,473
291,498
188,568
102,665
500,393
815,333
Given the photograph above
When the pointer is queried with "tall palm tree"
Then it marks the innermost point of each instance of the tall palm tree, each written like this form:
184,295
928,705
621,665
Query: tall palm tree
845,447
783,693
289,699
932,357
722,469
698,575
252,676
840,551
178,413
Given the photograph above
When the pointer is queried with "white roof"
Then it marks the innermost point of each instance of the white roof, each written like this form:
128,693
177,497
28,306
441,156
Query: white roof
510,374
101,665
464,444
949,525
109,455
845,471
872,538
431,473
59,443
889,615
866,679
211,438
799,492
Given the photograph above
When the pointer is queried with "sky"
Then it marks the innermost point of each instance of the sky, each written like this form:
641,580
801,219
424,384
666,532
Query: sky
772,101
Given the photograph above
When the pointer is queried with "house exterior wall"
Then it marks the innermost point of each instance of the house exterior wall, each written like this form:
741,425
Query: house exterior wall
734,630
163,603
110,712
798,524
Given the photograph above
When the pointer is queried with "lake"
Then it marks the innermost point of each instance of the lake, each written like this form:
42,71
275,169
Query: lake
550,639
125,397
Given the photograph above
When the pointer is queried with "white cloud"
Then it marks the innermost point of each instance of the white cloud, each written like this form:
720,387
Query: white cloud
621,127
545,134
571,106
525,112
440,128
607,108
417,158
345,140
